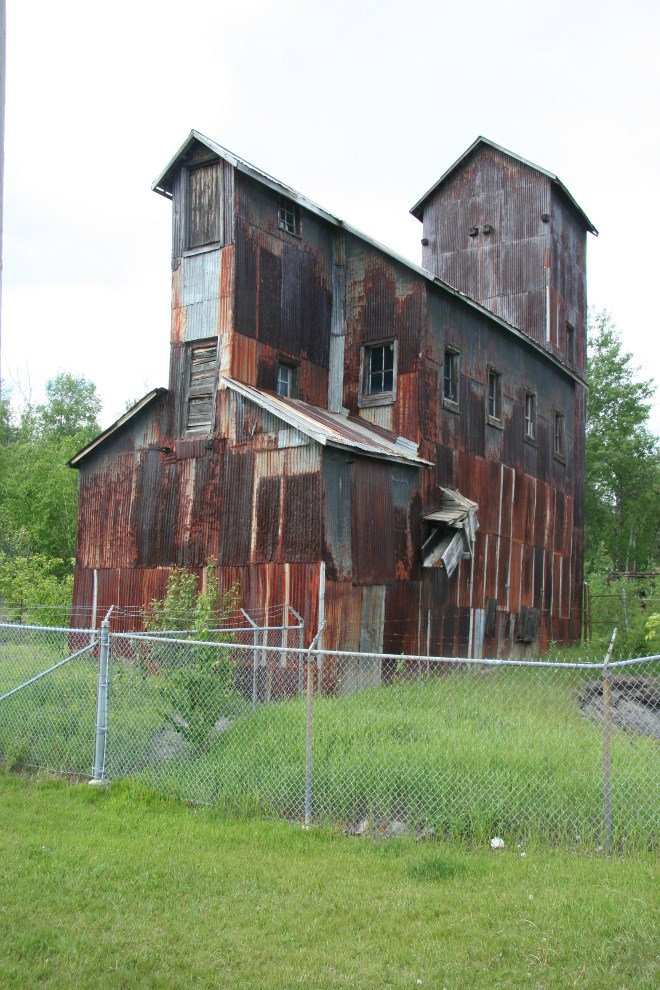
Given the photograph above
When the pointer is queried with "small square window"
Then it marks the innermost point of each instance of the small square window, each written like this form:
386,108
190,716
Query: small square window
450,385
287,216
494,397
286,380
559,435
530,417
378,373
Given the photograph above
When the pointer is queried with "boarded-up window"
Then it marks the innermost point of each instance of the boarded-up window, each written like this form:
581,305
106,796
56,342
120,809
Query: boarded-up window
204,205
200,402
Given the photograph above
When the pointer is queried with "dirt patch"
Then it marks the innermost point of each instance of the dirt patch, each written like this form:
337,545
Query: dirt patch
635,704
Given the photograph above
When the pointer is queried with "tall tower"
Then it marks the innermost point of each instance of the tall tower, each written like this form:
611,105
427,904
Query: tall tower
510,235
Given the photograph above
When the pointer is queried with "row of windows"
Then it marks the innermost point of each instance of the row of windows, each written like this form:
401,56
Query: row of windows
378,383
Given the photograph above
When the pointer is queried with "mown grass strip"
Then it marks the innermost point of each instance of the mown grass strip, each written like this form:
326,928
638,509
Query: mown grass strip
124,889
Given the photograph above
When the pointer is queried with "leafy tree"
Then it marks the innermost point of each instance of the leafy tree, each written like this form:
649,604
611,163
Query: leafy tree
38,492
71,409
622,483
34,590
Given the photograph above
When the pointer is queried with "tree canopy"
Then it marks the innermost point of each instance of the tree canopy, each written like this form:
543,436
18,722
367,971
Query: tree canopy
38,492
622,481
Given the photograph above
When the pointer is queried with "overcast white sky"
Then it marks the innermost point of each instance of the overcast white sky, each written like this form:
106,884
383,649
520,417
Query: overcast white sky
359,105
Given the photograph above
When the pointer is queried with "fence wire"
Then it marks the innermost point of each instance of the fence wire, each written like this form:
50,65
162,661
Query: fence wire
48,688
369,744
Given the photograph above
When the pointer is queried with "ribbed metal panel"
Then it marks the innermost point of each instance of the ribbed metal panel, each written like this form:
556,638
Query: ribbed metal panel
200,293
372,529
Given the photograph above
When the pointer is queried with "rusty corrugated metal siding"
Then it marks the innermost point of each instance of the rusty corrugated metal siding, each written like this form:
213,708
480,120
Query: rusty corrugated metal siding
273,505
529,270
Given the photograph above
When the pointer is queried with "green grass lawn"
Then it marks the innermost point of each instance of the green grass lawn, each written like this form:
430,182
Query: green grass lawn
123,889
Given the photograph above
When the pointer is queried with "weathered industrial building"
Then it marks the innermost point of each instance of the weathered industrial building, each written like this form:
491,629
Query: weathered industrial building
398,450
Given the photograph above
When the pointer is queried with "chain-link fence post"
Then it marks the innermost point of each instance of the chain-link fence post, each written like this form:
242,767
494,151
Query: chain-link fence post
309,726
98,770
607,746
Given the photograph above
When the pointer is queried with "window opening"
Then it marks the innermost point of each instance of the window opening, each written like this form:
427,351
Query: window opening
530,417
570,343
559,435
204,205
494,399
200,402
378,373
286,379
450,381
287,216
381,369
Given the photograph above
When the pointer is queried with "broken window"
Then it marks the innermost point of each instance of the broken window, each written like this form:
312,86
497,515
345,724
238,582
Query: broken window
287,216
200,398
450,392
494,398
378,373
559,435
530,417
450,531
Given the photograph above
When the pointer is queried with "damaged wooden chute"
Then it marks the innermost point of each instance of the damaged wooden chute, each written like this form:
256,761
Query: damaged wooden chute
453,528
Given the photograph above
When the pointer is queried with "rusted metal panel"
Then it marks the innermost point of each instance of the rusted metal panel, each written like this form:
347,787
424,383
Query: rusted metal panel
200,294
236,496
337,499
472,592
372,536
301,520
245,295
402,619
501,230
491,572
270,297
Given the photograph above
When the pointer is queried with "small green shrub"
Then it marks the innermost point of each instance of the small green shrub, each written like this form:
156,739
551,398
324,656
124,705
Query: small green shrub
197,687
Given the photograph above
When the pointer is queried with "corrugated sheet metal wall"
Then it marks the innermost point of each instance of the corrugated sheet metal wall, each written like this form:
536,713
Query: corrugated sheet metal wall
523,265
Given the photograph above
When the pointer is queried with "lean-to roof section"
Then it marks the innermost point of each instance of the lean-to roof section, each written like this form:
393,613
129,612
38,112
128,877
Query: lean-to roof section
145,401
332,429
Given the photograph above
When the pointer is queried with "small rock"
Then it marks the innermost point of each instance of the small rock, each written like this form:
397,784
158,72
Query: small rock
364,828
497,843
396,829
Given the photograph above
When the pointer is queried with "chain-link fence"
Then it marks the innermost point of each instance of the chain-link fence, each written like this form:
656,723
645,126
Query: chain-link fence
48,692
565,752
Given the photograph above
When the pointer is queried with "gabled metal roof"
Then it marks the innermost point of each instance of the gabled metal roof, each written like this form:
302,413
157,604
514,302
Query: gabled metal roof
417,209
146,400
332,429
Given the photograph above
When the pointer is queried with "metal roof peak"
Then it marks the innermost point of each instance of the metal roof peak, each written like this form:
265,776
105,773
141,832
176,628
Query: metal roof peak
418,211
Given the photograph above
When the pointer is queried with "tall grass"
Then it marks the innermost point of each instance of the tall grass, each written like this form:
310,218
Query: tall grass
469,755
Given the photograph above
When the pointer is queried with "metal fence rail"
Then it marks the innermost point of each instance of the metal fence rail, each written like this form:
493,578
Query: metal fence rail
567,752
